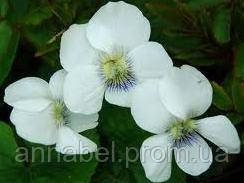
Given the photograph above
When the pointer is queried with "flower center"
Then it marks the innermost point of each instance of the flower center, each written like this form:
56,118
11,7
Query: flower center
116,70
60,112
183,132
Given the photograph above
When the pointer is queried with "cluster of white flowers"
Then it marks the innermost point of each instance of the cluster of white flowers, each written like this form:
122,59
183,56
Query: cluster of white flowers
112,56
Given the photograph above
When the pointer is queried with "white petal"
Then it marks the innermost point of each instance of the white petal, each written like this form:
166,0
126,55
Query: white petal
75,49
156,158
120,98
150,60
118,24
147,110
81,122
195,158
220,131
84,90
56,84
29,94
70,142
186,92
37,127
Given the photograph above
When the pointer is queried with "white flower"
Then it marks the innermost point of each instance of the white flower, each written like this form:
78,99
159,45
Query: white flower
186,94
111,54
40,115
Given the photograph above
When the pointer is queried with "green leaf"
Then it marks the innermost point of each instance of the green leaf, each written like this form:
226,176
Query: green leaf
220,98
238,95
235,118
221,25
228,82
199,4
8,46
70,172
118,124
9,168
4,6
166,14
38,35
18,9
37,15
238,20
175,42
8,146
239,62
196,58
242,141
185,55
43,163
203,61
75,170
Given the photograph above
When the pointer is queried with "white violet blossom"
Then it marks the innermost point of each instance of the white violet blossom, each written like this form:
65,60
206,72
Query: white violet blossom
110,54
168,108
40,115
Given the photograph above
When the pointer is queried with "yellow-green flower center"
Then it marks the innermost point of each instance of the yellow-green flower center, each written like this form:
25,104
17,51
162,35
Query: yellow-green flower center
116,70
114,67
60,112
182,129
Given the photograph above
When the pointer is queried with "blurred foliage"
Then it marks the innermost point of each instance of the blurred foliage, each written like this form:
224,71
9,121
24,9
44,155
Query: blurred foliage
8,45
207,34
44,165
